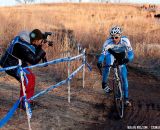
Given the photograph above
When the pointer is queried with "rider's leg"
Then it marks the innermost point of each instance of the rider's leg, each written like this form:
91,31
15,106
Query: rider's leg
124,75
123,72
106,71
105,76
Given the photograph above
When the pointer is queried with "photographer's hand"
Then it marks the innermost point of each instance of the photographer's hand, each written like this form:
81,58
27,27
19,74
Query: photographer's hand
44,59
44,46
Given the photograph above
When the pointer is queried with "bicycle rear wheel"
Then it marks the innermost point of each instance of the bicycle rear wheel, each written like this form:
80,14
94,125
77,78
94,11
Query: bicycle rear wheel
118,97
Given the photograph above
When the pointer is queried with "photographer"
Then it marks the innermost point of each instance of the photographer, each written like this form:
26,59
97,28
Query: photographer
28,47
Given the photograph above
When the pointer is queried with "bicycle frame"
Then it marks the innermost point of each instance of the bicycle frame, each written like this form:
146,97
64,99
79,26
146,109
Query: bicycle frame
117,81
118,91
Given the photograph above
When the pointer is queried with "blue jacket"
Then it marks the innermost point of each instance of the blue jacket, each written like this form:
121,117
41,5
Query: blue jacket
123,45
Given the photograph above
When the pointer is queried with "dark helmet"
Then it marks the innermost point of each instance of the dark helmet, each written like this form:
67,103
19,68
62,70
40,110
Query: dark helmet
36,34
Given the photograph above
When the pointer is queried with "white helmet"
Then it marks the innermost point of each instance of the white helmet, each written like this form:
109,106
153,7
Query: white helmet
24,35
115,30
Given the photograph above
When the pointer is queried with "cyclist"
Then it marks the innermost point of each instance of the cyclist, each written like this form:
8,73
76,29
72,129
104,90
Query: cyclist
25,46
118,43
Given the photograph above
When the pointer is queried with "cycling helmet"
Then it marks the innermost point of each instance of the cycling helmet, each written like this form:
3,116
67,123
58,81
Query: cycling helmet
115,30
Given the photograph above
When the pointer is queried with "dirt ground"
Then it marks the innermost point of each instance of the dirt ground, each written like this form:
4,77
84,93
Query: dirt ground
90,107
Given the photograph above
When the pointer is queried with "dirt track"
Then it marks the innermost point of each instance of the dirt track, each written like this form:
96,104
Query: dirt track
89,109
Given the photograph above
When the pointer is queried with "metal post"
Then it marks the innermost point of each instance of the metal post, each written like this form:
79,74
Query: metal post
69,84
84,60
24,93
78,47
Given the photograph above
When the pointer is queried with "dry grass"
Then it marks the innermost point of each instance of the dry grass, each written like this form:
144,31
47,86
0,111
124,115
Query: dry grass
90,23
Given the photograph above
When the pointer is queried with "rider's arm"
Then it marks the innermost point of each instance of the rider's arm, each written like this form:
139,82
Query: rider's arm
103,53
130,53
101,59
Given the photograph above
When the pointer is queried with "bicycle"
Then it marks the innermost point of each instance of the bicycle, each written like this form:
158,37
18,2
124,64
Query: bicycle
118,90
117,85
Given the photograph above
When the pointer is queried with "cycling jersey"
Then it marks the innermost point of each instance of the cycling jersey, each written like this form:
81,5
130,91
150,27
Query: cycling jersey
123,45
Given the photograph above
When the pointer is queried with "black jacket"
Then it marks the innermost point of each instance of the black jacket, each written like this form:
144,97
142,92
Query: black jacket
19,49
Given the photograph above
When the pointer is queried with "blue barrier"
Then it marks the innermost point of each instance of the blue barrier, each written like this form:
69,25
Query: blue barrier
55,61
58,84
76,57
89,67
9,114
8,68
65,59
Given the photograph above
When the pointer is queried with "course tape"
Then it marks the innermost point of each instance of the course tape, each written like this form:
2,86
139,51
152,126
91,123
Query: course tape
9,114
76,57
58,84
8,68
46,63
89,67
55,61
15,106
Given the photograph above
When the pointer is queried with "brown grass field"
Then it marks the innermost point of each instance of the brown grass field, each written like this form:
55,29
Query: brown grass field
88,25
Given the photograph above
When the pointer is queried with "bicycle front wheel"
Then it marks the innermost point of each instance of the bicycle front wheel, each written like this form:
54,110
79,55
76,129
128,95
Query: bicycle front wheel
118,97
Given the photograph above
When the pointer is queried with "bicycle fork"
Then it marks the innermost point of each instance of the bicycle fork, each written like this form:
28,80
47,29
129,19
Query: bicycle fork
117,83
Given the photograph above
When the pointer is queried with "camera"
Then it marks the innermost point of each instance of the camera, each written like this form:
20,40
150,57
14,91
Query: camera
50,43
45,35
44,59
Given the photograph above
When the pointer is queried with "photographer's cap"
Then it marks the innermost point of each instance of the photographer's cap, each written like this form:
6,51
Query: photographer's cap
36,34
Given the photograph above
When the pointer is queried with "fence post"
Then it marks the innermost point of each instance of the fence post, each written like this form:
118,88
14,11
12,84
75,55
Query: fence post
78,48
84,60
69,84
24,92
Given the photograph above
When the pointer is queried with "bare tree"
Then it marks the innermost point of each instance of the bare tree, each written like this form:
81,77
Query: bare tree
25,1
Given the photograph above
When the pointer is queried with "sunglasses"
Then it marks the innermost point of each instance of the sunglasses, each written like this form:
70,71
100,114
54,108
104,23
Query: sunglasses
116,37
